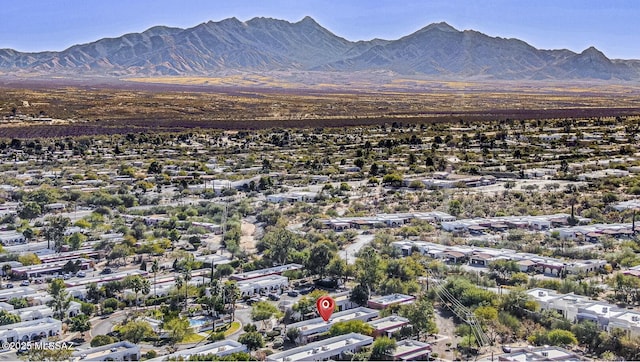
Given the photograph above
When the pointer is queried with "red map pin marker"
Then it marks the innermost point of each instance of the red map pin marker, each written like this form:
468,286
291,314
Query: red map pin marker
325,306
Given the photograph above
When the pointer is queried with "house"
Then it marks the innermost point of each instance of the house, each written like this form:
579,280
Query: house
343,301
56,206
585,266
390,300
411,350
12,238
30,330
544,353
263,285
276,270
312,328
18,292
220,349
210,227
11,263
300,196
119,351
333,348
31,271
628,321
388,326
212,260
577,308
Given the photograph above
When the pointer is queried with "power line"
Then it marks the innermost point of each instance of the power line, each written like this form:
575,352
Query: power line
460,311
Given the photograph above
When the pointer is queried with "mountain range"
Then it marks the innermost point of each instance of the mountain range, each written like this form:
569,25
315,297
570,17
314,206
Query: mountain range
264,44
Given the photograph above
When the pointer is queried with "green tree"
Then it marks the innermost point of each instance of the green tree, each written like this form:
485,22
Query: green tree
587,333
561,337
138,284
155,267
231,294
293,334
455,207
383,348
253,340
54,231
360,295
76,240
392,179
30,210
18,303
80,323
87,308
263,311
278,244
155,168
28,233
178,328
136,331
352,326
101,340
120,251
29,259
369,268
60,299
8,318
518,303
319,257
421,316
46,354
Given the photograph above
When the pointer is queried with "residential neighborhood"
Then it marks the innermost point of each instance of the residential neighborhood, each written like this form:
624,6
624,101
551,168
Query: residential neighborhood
481,243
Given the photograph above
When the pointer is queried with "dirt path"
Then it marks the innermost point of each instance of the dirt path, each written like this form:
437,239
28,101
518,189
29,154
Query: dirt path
446,334
247,240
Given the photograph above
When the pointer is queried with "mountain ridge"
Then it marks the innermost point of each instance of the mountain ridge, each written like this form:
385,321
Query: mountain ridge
267,44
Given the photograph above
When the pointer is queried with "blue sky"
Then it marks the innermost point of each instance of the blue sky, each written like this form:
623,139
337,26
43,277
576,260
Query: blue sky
613,26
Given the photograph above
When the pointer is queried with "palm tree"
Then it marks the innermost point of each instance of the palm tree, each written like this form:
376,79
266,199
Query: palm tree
154,270
139,284
6,269
187,278
231,295
61,299
179,283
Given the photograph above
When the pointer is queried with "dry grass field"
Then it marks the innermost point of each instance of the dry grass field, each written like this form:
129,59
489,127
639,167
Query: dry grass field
266,101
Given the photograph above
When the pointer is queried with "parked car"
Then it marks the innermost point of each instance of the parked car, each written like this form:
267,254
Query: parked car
81,274
293,293
9,286
307,290
252,301
25,283
106,271
273,297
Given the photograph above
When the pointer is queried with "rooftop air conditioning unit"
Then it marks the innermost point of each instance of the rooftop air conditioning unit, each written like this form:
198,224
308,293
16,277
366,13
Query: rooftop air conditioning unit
540,294
605,309
325,348
316,350
635,318
545,354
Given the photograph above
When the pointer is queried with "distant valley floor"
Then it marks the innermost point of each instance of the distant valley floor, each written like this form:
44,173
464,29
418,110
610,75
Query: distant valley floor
52,107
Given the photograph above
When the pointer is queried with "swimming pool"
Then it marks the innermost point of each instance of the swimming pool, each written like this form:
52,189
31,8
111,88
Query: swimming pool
197,321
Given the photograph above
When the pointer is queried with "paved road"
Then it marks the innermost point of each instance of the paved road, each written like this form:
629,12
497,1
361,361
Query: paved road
103,326
350,251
